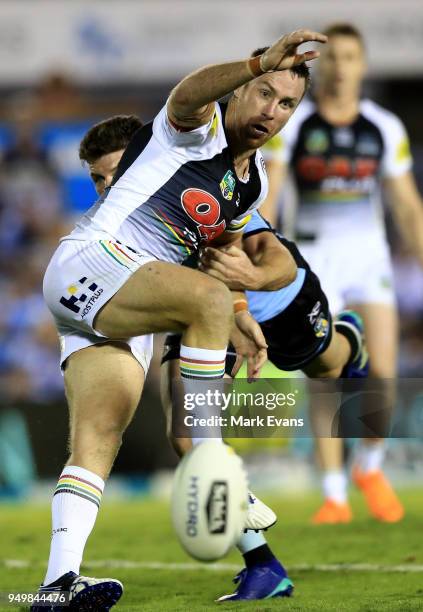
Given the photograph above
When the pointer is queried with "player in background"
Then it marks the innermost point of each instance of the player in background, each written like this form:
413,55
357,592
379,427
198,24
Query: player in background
294,340
108,281
343,151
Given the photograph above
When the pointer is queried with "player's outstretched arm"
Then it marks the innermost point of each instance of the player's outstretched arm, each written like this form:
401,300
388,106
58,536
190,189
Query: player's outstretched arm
191,103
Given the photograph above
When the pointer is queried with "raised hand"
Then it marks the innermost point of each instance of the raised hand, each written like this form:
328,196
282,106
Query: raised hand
283,53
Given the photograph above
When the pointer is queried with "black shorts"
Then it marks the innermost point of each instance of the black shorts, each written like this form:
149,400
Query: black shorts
302,331
295,336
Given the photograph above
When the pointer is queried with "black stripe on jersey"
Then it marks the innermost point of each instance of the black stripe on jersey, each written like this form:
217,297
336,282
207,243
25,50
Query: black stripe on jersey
259,230
136,146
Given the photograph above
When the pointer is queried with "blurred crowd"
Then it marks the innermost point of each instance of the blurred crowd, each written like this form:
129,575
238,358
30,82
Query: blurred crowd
43,187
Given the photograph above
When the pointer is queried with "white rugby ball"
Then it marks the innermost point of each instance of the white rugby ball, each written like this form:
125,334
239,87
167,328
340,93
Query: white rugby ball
209,500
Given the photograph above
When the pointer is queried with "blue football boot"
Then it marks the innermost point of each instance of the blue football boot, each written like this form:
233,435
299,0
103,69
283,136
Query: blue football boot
349,324
261,582
73,592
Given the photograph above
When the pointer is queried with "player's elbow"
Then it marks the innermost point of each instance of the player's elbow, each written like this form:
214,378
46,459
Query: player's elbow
285,272
179,98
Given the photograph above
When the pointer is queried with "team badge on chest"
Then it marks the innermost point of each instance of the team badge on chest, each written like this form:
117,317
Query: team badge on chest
317,141
227,185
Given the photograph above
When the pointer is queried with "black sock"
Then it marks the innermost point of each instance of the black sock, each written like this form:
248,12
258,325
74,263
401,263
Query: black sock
258,556
352,337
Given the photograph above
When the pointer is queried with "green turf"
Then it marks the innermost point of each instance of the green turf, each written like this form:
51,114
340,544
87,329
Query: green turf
141,531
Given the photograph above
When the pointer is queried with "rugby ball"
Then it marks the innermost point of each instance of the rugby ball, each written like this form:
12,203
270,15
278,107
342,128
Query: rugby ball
209,500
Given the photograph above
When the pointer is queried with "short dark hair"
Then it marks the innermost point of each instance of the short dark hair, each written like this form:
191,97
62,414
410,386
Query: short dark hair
302,70
343,28
108,136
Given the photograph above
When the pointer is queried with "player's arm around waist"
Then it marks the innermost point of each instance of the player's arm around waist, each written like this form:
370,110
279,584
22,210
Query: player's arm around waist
263,264
275,267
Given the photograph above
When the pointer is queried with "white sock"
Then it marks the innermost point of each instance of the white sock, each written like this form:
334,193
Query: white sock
371,455
74,510
335,486
249,541
199,366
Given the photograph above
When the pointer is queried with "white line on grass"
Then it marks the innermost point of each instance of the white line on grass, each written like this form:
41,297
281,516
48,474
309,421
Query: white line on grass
225,567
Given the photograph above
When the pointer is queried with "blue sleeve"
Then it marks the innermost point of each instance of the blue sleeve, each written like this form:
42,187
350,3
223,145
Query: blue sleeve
257,224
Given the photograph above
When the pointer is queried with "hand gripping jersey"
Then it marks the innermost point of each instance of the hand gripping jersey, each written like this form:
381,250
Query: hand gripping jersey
175,190
337,169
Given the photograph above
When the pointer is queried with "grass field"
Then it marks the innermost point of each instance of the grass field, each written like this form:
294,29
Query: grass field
134,542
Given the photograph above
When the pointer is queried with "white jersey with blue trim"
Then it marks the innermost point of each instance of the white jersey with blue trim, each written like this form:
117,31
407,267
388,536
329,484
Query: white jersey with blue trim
175,191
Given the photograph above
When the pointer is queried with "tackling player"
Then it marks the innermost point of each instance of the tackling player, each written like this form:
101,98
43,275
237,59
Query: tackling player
342,150
108,282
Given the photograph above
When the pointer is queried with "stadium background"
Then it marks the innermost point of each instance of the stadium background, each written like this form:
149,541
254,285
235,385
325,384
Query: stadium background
65,65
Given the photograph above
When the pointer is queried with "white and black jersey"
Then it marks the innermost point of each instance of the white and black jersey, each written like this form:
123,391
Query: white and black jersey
175,190
337,169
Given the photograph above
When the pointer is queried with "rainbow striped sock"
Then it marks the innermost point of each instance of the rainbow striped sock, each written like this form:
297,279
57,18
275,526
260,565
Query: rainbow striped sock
69,483
202,364
198,366
74,510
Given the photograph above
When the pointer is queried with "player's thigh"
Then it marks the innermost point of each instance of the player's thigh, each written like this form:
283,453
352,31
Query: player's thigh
162,296
381,331
103,386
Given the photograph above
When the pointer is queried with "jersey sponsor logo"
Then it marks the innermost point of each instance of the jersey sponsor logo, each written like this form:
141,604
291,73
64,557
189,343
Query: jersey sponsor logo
316,168
321,326
227,185
343,137
85,300
204,210
317,141
368,145
318,320
312,316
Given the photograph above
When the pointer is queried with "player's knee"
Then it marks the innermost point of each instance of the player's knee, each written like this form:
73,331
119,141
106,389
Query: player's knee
99,428
211,296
